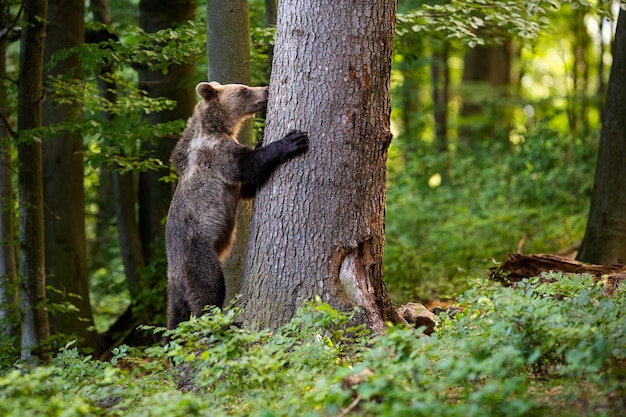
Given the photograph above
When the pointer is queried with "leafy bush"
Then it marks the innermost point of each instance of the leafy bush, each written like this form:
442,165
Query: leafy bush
554,346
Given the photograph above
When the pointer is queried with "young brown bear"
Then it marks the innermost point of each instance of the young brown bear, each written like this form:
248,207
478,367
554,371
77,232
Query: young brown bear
215,171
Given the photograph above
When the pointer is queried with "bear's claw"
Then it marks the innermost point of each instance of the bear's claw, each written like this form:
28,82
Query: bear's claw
298,141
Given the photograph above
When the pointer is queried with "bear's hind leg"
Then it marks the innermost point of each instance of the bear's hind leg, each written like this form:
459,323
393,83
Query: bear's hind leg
205,283
177,307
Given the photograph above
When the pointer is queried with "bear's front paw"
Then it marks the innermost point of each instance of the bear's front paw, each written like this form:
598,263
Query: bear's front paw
296,141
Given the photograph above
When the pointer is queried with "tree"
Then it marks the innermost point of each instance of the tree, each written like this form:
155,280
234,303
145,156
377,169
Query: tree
8,273
318,225
271,12
228,57
122,186
410,104
176,84
440,80
271,16
64,194
107,88
35,328
486,77
605,236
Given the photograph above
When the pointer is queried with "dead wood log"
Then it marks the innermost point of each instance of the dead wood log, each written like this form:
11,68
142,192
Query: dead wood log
518,267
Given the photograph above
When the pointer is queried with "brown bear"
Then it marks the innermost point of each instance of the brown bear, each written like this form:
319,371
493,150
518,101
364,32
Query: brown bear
214,171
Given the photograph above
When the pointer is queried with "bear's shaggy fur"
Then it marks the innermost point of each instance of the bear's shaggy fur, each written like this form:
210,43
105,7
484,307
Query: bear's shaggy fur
215,171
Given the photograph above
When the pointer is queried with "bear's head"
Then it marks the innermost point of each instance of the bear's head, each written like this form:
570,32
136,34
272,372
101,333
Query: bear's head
227,106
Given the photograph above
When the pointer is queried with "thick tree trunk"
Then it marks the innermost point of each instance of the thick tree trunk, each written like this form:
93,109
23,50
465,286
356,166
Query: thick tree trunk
228,57
35,328
155,195
64,194
605,236
8,273
318,225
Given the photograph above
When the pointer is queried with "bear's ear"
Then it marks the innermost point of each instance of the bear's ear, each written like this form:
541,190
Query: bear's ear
207,91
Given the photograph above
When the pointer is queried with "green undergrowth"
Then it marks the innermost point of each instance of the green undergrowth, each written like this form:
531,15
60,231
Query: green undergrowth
450,216
540,348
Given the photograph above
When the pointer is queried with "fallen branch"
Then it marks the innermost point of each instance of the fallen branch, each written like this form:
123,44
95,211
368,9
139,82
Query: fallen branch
518,267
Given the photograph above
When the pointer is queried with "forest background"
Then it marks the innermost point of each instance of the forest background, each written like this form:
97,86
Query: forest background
494,150
495,127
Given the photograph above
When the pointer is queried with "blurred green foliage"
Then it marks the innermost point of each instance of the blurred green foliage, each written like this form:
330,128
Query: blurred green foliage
533,195
520,184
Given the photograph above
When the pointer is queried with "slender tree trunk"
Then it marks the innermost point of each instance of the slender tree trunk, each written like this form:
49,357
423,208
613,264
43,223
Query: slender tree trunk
409,102
228,56
605,237
228,50
441,92
578,100
35,328
8,273
573,110
271,16
106,193
440,79
155,195
318,225
271,12
123,185
488,70
601,91
128,230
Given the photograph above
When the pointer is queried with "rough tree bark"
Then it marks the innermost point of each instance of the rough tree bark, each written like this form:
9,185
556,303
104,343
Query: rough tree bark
605,236
8,273
228,58
318,225
64,194
31,263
